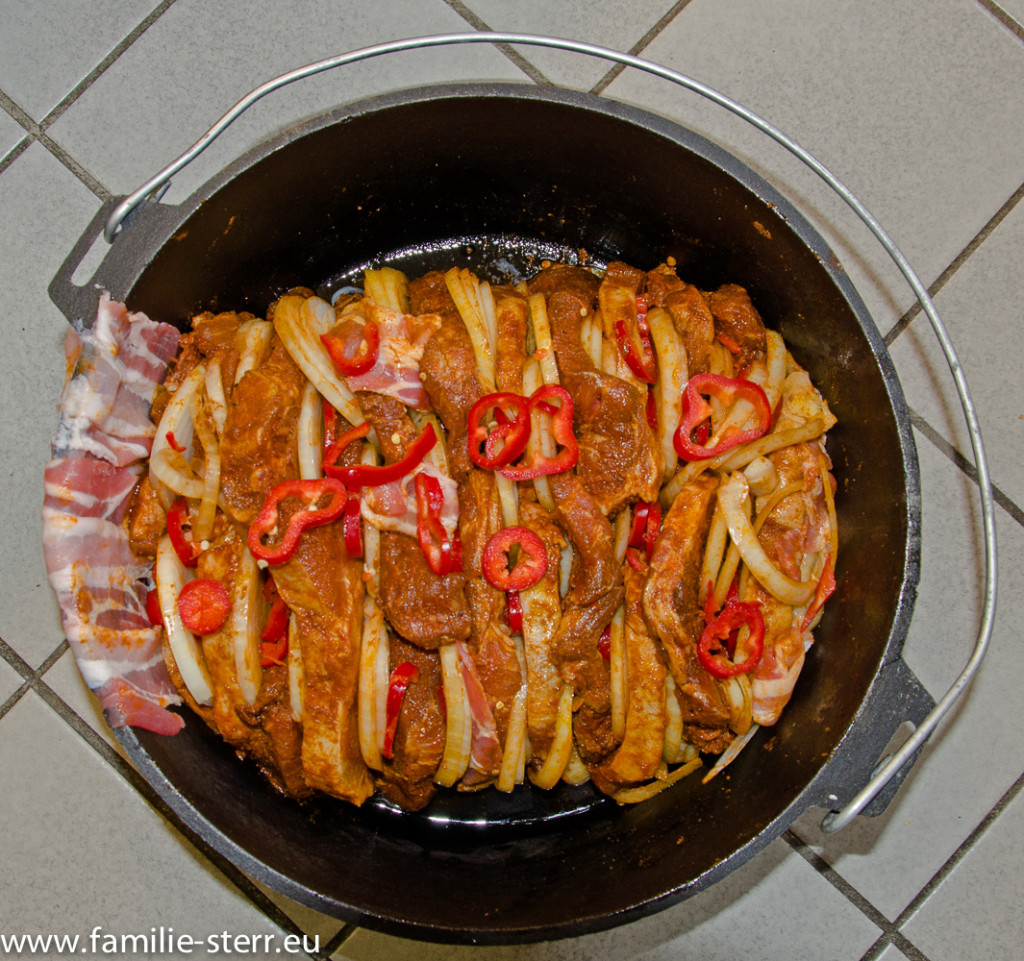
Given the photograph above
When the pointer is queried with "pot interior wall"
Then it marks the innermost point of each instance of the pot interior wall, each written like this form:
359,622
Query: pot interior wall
500,179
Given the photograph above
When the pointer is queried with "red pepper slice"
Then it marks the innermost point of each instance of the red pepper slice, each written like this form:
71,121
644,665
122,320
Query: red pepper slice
177,519
646,525
273,652
308,493
174,443
494,447
729,343
696,411
733,616
651,410
537,465
456,553
430,532
652,529
401,677
204,605
514,612
330,424
825,589
635,559
604,643
527,570
277,622
153,612
335,448
373,475
364,357
352,527
638,351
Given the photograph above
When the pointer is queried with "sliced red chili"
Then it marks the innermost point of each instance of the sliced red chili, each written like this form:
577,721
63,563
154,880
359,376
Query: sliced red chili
604,643
514,611
652,529
651,410
277,622
352,527
507,573
729,343
153,612
732,617
348,362
494,447
646,525
696,411
174,442
825,589
204,605
273,652
430,532
373,475
330,424
637,348
456,553
401,677
336,447
537,465
309,493
635,559
177,520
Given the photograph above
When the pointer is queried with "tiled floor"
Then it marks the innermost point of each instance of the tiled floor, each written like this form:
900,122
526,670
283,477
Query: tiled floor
915,104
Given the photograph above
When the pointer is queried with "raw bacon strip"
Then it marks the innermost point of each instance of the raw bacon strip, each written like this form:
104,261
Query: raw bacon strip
104,434
485,749
396,371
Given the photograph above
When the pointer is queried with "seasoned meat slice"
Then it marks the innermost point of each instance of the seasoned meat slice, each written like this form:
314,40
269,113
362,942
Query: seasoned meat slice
407,779
511,313
638,756
147,519
448,369
258,446
595,591
737,320
620,459
265,729
492,648
542,607
692,318
323,587
427,610
674,615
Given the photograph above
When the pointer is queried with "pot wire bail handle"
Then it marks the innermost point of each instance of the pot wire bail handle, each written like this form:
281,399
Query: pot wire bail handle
835,820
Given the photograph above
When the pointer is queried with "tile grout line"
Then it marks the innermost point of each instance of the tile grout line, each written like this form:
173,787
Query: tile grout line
966,846
34,681
35,133
478,23
964,465
105,63
1003,17
994,221
641,44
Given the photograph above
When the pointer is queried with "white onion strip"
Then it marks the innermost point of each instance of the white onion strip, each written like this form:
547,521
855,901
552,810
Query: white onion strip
459,736
619,671
672,378
299,323
732,495
310,431
550,772
245,623
366,707
296,669
165,463
171,576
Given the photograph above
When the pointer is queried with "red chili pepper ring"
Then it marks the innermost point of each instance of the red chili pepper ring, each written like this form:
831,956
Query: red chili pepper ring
525,571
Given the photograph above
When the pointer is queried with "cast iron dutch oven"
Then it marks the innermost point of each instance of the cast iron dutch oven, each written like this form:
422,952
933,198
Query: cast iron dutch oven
497,177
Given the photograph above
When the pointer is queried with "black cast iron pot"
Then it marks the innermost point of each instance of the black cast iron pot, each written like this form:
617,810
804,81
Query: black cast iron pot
496,178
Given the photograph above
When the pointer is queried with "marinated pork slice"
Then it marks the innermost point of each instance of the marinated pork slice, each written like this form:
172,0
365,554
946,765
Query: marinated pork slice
620,459
407,779
638,756
737,320
595,592
511,313
323,588
492,648
673,613
258,446
542,614
448,369
426,609
692,318
263,730
147,519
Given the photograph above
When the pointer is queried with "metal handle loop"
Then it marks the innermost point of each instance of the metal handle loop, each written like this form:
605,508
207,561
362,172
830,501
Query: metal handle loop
835,820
